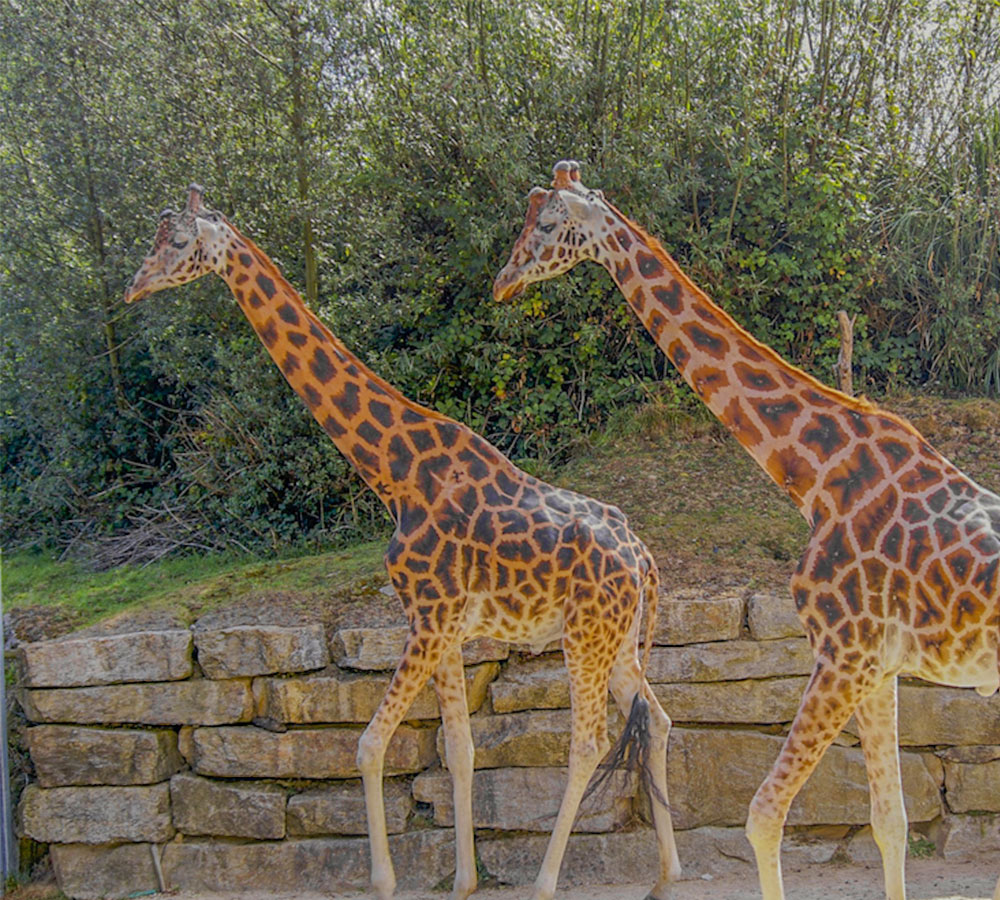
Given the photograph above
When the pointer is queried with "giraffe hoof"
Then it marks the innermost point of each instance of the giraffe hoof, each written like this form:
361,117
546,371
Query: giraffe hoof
663,891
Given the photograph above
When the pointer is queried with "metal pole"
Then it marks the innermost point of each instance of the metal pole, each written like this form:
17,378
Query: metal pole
8,841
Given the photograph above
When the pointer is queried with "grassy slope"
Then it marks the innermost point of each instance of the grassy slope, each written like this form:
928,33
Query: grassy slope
711,517
710,514
47,598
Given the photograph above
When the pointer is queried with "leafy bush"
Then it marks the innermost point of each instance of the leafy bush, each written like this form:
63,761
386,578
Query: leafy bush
381,155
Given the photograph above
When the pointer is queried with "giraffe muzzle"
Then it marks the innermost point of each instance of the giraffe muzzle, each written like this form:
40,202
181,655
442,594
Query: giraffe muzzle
137,288
507,285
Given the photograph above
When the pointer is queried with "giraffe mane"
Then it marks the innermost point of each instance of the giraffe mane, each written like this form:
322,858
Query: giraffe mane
860,404
278,277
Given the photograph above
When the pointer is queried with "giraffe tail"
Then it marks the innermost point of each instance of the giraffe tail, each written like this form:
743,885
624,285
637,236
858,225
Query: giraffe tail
632,750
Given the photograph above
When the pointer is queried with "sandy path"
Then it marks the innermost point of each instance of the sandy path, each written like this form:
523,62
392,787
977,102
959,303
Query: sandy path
927,879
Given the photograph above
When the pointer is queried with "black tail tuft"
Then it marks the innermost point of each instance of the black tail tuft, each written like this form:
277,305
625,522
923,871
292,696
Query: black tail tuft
631,753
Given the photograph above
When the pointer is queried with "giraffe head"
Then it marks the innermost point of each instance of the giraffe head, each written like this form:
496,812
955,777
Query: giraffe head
564,226
187,245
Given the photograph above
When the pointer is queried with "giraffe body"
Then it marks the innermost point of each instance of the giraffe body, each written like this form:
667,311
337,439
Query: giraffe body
480,548
900,574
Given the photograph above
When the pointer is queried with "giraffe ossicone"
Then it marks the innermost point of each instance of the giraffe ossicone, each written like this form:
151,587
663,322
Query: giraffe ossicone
480,548
901,574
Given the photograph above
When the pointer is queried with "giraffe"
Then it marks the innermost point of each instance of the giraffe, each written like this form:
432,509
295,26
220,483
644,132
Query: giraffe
900,574
480,548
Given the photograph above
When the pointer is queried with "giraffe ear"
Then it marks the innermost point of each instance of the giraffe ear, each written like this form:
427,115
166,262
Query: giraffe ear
536,200
164,228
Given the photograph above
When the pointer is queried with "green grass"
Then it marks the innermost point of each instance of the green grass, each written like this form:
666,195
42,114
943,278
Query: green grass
184,585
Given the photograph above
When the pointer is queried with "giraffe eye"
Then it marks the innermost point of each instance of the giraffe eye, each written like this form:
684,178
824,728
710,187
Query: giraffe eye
545,229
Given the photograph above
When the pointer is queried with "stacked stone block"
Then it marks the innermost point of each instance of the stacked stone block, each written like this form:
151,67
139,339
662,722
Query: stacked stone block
223,757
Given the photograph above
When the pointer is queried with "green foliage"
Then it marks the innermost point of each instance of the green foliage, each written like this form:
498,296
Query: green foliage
919,847
797,157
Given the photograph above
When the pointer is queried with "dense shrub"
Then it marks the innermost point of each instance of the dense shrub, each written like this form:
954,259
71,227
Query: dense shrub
797,159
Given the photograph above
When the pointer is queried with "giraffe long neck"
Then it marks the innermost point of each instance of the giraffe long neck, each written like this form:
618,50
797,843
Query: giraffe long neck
365,416
795,427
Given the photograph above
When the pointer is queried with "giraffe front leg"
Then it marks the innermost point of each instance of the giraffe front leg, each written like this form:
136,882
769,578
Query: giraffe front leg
412,673
823,712
878,730
449,683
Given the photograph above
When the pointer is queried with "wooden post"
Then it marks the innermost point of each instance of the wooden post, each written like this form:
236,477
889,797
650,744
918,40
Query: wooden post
845,380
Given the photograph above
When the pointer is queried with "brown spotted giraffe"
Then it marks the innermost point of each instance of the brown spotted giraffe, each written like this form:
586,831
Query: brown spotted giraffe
480,548
900,574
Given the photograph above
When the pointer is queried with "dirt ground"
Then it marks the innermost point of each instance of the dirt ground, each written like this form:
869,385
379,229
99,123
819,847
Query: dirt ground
927,879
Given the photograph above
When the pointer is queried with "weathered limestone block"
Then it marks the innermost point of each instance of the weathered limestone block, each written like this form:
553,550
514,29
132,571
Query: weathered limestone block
538,683
934,765
618,858
185,742
543,683
973,754
730,661
108,659
86,872
631,857
972,787
421,860
685,619
710,852
200,701
96,815
345,697
720,851
260,649
698,761
970,837
763,701
382,648
339,808
247,752
773,615
862,849
201,806
527,799
536,738
68,755
943,715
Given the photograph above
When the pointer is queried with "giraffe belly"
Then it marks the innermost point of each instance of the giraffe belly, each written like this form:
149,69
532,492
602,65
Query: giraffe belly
502,617
977,668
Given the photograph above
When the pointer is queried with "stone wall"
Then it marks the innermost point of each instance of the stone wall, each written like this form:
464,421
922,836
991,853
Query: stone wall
221,757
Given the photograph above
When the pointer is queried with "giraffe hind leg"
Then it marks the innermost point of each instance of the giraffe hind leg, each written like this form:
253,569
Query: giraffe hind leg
635,697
